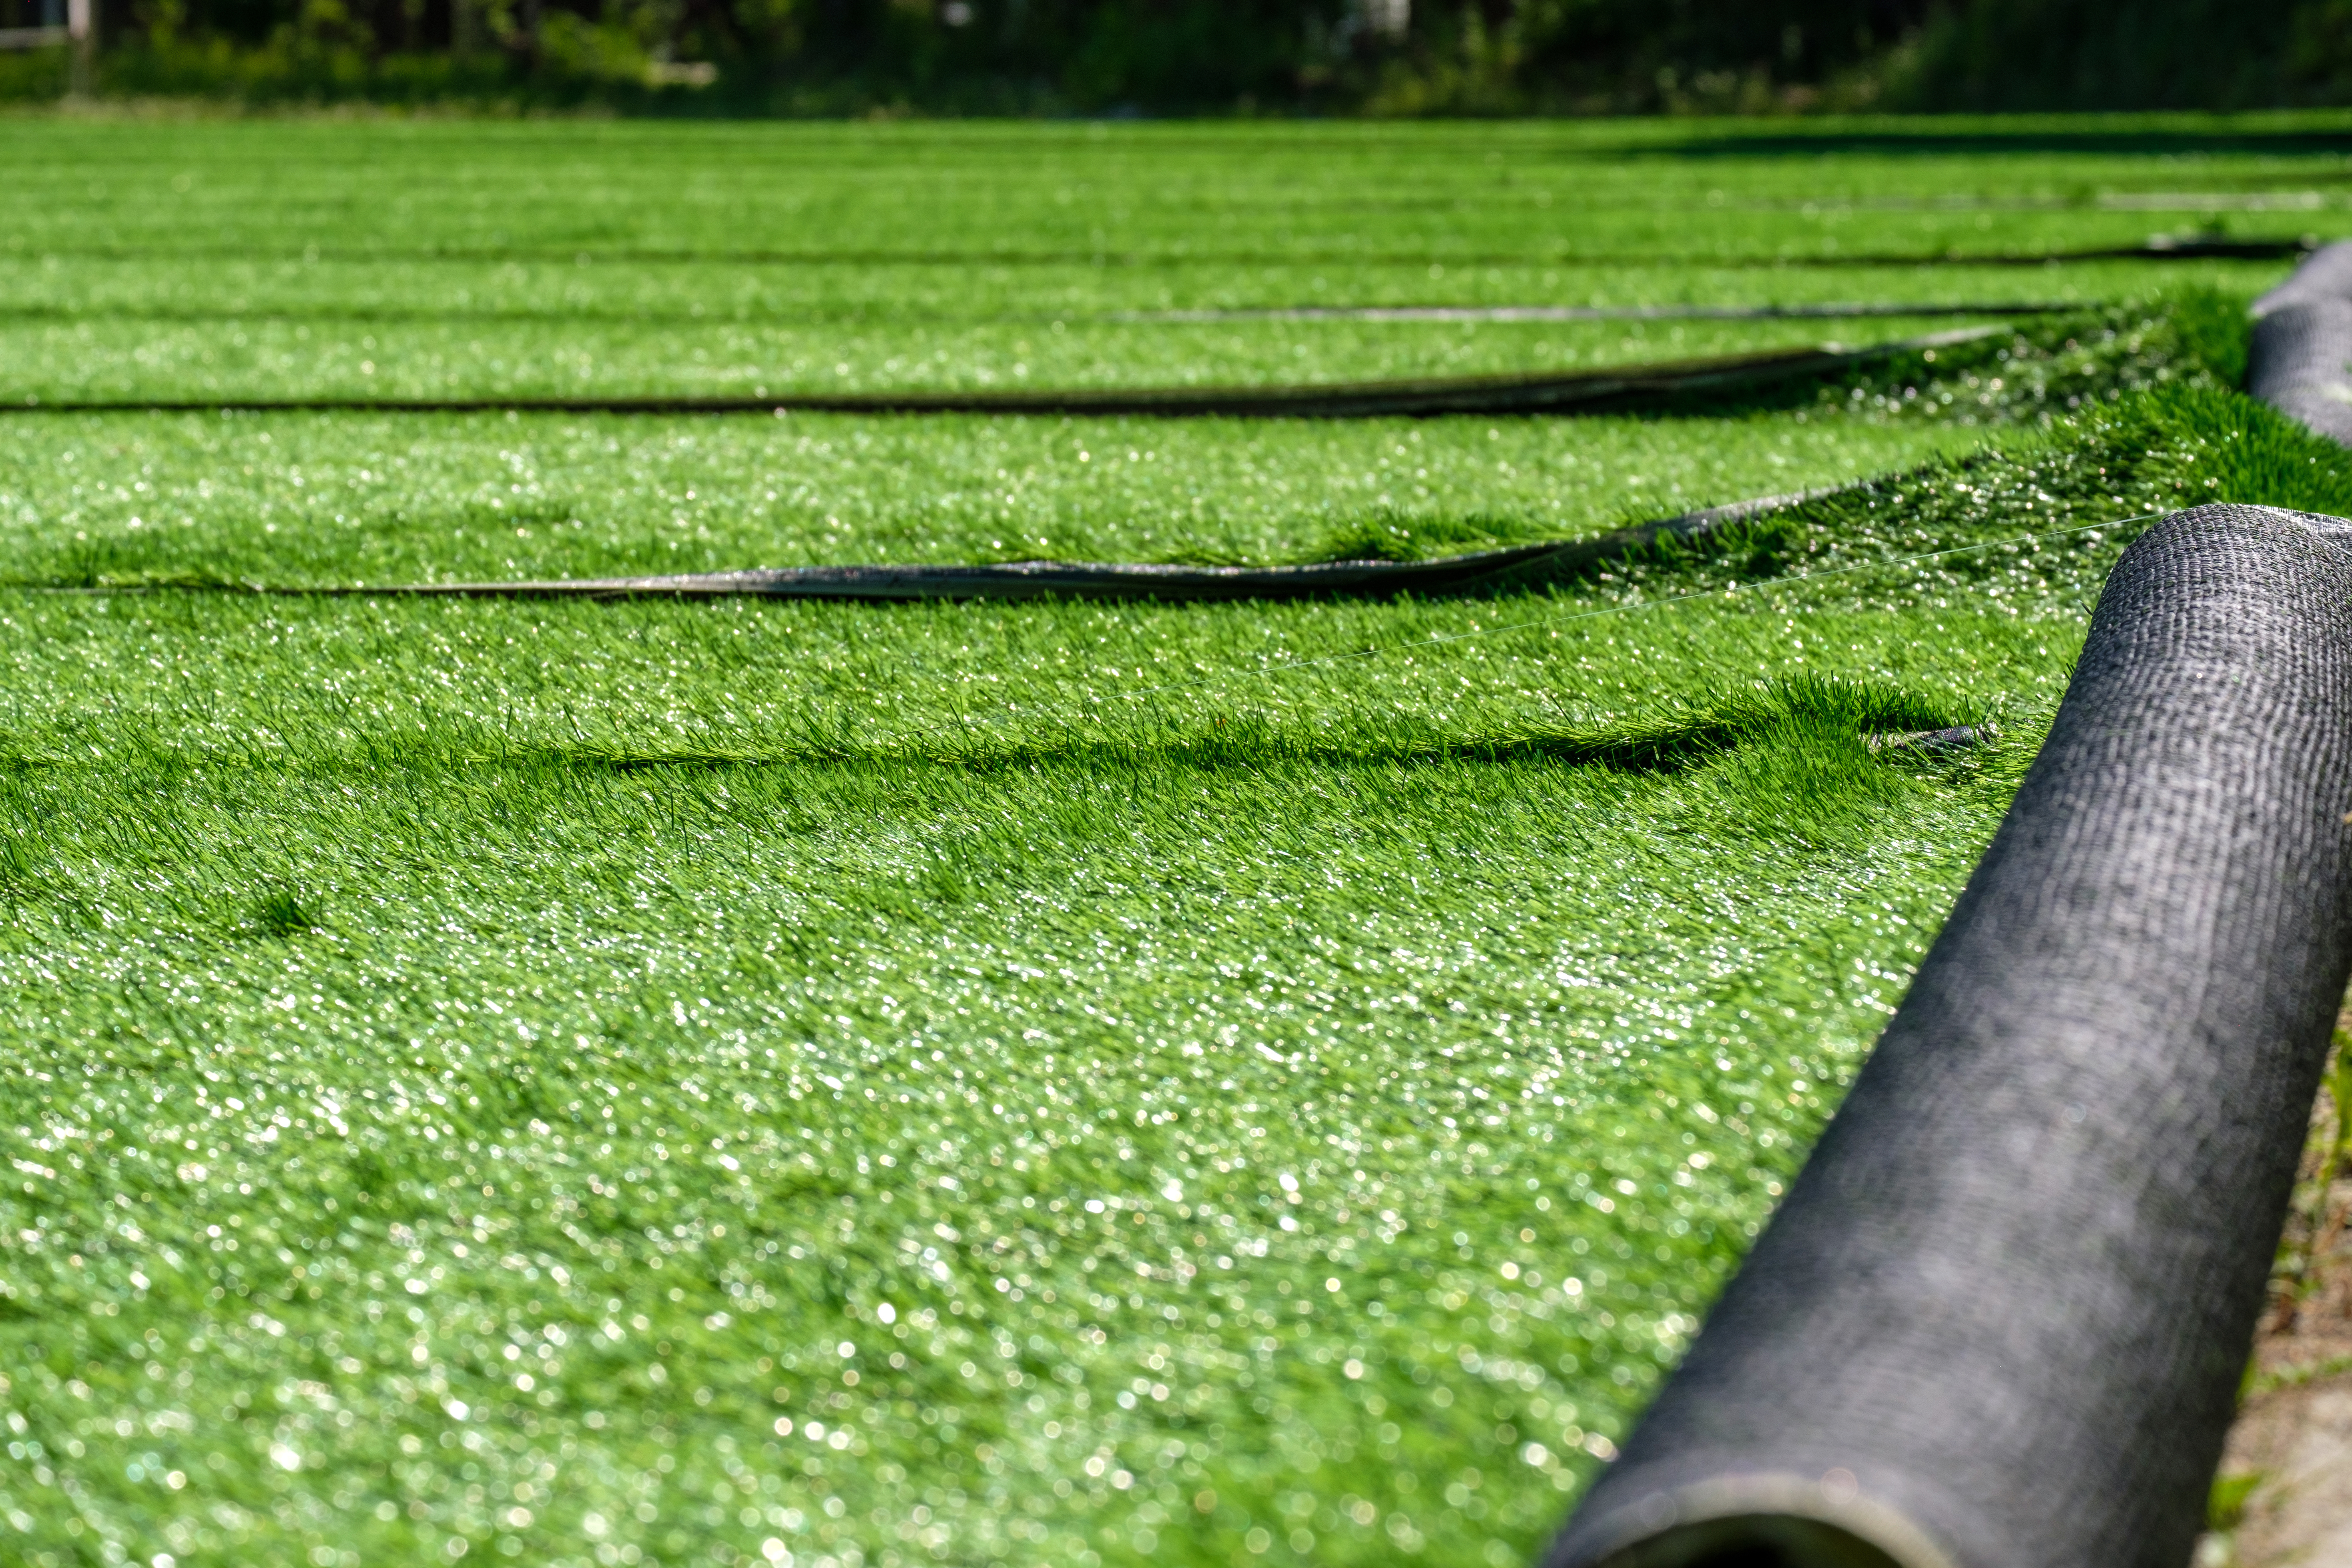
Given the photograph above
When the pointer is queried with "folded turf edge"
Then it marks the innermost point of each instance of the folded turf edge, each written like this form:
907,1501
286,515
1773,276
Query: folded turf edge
1595,390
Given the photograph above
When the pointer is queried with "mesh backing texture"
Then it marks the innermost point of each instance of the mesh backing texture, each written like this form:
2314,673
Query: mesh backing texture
2001,1318
2297,362
2326,274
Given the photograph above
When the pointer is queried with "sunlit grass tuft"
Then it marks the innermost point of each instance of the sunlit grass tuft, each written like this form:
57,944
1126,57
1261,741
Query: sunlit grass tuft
279,912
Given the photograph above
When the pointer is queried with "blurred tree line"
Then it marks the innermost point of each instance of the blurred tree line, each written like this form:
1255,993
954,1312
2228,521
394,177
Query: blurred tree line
1284,56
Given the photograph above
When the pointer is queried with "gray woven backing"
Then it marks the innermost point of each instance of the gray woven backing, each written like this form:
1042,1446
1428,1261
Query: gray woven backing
2325,274
2300,359
2000,1320
2300,362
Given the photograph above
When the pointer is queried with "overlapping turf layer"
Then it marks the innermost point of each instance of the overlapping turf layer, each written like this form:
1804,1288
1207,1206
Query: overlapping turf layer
862,1086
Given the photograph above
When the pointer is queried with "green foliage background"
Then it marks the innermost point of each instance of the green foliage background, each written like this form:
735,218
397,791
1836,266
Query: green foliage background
1176,56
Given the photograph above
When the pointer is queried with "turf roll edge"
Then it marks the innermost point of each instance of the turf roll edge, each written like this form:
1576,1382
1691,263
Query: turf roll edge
1481,570
1613,390
2299,359
2000,1319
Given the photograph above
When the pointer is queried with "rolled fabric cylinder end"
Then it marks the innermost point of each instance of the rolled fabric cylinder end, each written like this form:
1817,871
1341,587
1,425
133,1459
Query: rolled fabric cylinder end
1763,1520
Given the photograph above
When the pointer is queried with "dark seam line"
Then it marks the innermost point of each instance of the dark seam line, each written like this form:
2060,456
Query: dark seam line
1586,391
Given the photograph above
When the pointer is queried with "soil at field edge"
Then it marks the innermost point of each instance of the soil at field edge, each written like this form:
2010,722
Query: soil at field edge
2292,1445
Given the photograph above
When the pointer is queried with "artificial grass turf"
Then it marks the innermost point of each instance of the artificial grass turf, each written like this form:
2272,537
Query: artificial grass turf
1051,1166
300,497
428,1150
125,362
1165,1018
380,906
1681,194
97,328
288,500
423,260
958,291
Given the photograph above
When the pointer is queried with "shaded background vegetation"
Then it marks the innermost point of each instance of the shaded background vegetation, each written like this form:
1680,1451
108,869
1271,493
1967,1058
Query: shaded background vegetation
1161,56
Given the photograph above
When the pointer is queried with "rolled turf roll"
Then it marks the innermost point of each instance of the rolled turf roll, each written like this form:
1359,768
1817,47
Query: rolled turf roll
2325,274
2300,359
2000,1319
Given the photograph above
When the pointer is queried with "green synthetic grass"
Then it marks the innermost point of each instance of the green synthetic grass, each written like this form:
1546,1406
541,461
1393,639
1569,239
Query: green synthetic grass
126,361
439,260
868,1086
433,899
313,498
1077,1147
1693,193
703,1065
290,499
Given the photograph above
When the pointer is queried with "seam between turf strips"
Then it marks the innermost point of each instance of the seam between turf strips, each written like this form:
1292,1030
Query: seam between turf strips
1583,391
